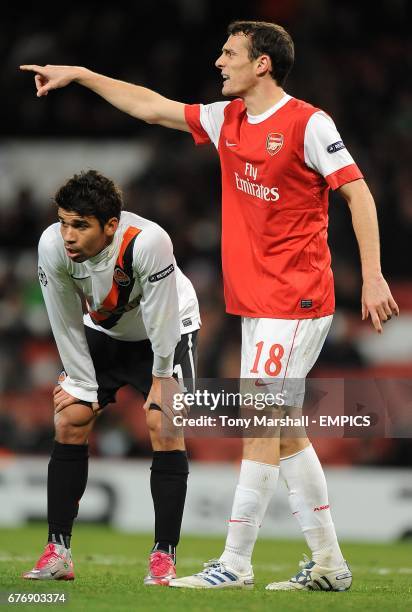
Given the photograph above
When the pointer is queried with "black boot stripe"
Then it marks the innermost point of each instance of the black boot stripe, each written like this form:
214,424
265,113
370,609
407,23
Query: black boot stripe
327,582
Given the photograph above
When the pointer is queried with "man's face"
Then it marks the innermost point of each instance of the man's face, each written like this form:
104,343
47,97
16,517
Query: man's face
84,237
238,71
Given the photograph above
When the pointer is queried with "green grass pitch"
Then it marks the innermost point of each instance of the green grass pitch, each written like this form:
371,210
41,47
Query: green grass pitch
110,567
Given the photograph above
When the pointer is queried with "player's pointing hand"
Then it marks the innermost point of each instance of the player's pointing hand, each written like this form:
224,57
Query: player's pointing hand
50,77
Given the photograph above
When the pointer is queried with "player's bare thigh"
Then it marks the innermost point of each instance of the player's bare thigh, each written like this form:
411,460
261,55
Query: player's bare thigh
74,423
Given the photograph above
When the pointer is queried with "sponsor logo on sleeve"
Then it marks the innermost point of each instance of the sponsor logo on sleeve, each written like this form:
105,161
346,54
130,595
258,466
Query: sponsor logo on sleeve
120,277
162,274
42,276
274,143
336,146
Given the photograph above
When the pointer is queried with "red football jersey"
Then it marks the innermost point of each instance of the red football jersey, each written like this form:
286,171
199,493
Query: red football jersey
277,169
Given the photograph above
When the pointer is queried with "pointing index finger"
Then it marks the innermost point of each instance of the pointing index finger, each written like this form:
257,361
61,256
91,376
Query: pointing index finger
31,67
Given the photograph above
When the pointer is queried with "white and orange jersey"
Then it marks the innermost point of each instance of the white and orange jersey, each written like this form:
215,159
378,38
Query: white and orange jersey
277,169
132,290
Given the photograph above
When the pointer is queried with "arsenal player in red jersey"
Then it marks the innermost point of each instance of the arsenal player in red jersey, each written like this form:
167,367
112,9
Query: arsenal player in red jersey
279,156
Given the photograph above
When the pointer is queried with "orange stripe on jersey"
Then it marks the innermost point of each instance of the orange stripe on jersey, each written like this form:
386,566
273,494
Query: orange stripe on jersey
111,300
130,233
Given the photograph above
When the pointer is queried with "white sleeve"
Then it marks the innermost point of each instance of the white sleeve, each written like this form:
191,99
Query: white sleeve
211,118
155,264
66,319
323,147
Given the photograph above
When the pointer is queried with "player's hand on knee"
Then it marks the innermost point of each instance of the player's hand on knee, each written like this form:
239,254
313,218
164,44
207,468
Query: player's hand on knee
167,394
62,399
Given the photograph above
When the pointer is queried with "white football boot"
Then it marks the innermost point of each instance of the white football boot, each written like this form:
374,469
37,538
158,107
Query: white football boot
313,577
215,576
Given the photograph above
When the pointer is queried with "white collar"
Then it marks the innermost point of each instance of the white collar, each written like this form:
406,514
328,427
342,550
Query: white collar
269,111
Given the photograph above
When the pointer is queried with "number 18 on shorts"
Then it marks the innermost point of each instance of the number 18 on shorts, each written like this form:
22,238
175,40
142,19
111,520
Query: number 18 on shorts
279,353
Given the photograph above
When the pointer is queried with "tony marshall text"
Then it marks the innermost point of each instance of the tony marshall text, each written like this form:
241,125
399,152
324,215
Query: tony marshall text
264,421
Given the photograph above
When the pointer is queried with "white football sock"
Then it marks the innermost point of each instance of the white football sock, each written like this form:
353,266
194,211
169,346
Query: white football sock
308,500
257,482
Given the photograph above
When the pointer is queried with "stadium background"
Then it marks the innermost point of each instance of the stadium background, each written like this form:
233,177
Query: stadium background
350,61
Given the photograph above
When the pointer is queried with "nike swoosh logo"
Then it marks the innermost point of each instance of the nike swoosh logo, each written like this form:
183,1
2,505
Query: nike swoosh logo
230,144
259,383
79,277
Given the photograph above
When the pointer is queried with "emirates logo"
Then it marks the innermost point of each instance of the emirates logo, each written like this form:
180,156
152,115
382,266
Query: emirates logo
274,143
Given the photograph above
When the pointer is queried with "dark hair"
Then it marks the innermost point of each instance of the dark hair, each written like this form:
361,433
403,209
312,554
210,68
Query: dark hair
268,39
90,194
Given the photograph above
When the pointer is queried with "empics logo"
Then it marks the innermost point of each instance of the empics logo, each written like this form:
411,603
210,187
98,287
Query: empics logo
274,143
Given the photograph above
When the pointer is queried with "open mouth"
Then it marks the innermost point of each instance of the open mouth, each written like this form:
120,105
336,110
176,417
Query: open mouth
71,252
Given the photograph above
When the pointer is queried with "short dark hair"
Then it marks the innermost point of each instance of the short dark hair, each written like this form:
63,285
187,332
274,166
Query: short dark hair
91,194
268,39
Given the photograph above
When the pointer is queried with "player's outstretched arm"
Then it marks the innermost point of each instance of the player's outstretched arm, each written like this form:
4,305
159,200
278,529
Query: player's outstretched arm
377,300
135,100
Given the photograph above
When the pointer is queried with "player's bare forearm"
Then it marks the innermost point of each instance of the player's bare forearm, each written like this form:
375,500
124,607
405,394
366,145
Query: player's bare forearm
365,225
377,300
139,102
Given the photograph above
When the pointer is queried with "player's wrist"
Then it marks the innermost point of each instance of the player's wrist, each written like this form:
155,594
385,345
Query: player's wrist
372,275
81,74
159,379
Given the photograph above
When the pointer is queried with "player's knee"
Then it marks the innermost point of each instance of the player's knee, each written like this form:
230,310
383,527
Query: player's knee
154,422
261,449
290,446
73,424
163,435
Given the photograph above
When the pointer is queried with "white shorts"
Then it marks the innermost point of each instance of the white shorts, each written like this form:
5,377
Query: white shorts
282,350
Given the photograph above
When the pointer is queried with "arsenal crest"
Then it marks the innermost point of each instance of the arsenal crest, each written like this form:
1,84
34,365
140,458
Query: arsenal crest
121,277
274,143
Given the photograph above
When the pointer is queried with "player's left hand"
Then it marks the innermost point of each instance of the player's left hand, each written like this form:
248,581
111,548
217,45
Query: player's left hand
62,399
377,301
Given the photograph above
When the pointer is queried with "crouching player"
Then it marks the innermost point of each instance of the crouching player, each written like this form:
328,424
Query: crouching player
140,327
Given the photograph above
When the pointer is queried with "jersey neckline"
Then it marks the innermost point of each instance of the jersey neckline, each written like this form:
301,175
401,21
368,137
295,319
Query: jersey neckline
270,111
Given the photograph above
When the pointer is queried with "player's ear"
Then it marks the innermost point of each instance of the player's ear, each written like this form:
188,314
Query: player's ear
264,65
111,226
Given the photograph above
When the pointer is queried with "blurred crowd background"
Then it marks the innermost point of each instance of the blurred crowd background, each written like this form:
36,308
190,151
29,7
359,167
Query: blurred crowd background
352,62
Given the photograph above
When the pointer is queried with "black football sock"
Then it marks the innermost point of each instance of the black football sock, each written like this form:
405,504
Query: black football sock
67,478
168,483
